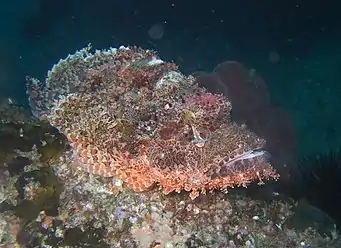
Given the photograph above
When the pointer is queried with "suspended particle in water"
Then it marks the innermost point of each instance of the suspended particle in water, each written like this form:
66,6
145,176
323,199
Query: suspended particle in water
156,31
274,57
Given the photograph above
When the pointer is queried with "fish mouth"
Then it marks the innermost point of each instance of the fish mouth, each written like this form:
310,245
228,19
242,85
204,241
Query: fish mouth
245,162
252,154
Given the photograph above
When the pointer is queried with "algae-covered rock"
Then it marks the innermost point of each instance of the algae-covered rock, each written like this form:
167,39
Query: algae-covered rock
25,136
39,191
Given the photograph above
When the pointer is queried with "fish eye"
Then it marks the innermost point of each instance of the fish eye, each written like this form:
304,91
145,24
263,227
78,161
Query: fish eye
168,106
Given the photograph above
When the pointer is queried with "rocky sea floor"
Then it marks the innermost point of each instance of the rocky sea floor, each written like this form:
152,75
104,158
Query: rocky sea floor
47,201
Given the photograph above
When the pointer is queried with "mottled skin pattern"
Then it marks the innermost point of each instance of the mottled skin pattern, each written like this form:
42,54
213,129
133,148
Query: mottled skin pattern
130,115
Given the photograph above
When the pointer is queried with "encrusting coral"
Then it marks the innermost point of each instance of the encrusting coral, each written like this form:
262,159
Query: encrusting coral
128,114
